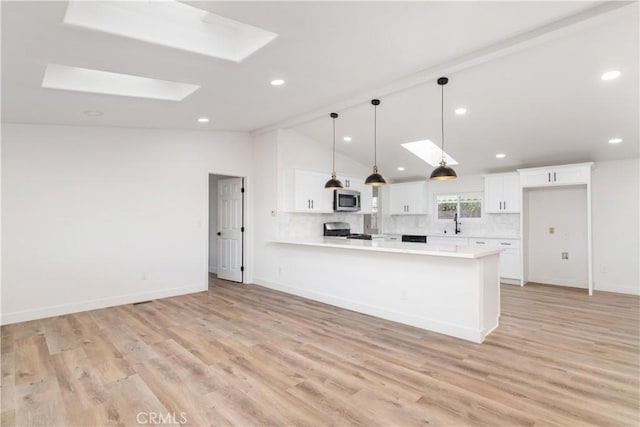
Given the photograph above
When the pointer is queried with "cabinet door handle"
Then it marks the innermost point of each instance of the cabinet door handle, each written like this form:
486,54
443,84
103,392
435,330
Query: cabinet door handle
311,204
407,208
500,206
505,244
504,204
549,176
479,243
554,177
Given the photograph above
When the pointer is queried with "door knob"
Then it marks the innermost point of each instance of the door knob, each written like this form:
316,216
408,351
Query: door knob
219,233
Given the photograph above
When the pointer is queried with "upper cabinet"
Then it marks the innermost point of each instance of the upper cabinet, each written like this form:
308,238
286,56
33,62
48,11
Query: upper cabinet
409,198
366,192
305,192
502,193
556,175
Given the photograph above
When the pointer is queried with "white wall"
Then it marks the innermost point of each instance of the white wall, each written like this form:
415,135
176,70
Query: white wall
564,209
264,258
94,217
616,226
274,153
297,151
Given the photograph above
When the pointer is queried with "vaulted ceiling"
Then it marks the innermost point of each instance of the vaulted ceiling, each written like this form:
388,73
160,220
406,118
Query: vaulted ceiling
528,73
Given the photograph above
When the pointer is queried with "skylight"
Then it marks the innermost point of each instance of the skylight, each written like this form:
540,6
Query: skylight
172,24
429,152
105,82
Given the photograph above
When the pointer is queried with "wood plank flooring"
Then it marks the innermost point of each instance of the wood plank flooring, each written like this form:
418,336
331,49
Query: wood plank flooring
246,355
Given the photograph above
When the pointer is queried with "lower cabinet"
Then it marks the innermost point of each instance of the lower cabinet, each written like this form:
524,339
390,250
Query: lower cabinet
438,240
510,264
509,257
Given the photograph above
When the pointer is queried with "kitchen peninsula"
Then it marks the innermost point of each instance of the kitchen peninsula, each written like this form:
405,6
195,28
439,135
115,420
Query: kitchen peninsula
453,290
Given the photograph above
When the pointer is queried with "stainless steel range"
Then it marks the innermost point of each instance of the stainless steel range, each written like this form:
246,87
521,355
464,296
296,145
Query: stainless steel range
343,230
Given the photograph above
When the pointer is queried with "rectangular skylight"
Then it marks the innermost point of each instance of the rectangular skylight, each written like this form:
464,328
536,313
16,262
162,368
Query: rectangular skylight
96,81
172,24
429,152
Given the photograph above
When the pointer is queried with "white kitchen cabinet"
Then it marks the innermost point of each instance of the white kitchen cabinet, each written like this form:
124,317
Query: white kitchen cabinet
409,198
502,193
441,240
366,192
509,257
556,175
306,192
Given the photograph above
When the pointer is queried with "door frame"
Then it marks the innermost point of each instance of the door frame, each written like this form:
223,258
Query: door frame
245,217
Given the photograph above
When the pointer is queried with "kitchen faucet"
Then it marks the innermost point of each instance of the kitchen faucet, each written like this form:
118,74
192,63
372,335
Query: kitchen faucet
455,219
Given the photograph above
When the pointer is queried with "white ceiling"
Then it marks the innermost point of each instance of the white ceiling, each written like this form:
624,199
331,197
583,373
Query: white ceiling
542,102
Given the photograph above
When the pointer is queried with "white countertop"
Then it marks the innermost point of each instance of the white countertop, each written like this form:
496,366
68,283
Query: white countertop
476,236
462,235
451,251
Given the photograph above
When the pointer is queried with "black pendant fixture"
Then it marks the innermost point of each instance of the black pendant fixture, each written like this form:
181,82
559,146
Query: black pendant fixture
375,179
334,183
442,172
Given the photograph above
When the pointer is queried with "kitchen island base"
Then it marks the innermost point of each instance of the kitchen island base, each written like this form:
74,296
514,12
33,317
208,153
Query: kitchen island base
456,294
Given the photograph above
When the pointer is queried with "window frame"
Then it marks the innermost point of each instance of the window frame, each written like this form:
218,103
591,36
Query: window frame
474,194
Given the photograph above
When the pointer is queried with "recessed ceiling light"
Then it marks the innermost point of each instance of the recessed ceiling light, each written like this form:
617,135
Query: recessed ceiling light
500,156
460,111
93,113
610,75
400,168
429,152
615,141
203,120
277,82
104,82
347,139
172,24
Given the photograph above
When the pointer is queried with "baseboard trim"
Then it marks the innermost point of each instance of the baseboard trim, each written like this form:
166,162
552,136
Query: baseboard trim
468,334
59,310
559,282
618,289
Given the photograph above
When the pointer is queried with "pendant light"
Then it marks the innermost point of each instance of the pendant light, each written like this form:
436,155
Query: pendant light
334,183
442,172
375,179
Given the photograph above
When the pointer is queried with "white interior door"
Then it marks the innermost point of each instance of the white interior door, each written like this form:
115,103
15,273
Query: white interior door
230,228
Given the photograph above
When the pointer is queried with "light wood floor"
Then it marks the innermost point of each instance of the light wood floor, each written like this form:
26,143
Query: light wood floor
245,355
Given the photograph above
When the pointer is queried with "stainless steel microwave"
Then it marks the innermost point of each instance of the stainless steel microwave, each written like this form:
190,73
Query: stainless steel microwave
346,200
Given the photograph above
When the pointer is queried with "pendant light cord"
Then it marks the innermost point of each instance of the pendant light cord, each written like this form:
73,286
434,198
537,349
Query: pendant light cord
442,119
334,145
375,135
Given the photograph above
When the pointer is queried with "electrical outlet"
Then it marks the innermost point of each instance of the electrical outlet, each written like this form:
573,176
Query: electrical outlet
565,255
552,230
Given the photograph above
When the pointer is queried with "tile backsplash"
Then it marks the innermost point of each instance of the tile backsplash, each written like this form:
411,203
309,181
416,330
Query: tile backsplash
490,224
291,225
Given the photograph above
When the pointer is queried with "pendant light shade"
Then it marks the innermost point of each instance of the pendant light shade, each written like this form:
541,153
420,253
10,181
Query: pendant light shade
442,172
334,183
375,178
